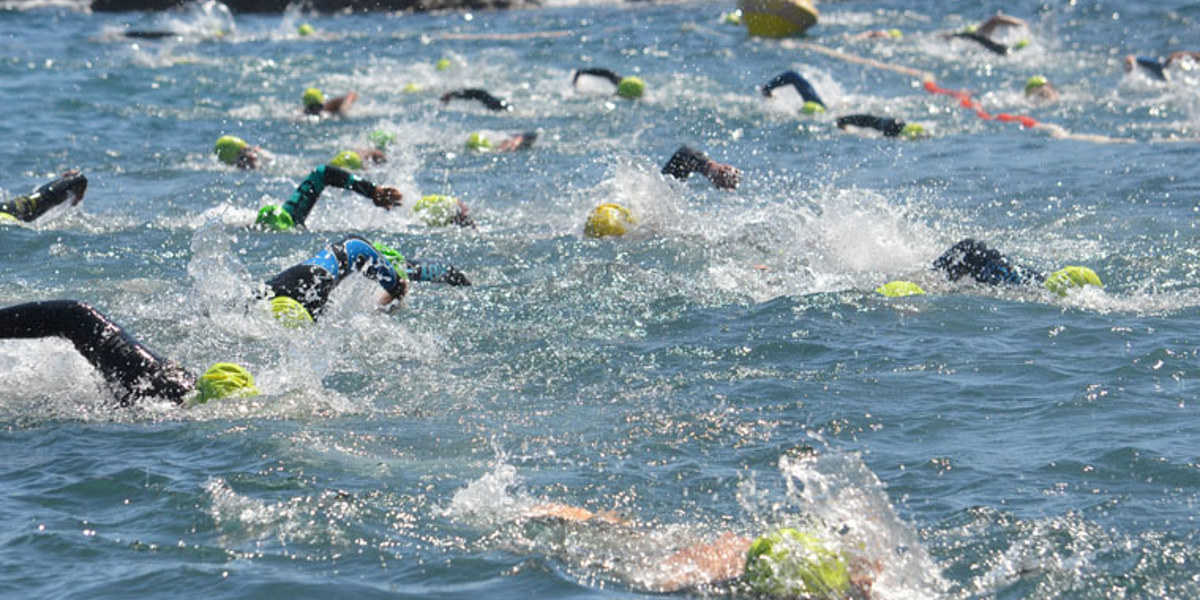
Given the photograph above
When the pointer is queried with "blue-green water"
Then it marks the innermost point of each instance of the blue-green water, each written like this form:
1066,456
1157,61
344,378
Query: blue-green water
973,442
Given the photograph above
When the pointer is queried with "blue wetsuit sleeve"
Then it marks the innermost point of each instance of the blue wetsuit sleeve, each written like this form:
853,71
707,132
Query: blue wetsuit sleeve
361,256
301,202
796,80
1152,66
436,273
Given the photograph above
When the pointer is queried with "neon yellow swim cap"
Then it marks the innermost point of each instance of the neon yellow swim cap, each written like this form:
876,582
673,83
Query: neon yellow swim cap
1034,83
912,131
895,33
394,258
899,289
608,220
313,96
274,218
631,87
812,108
347,159
1071,277
477,141
1021,45
382,139
228,148
224,380
436,210
8,219
289,312
442,64
412,88
732,18
791,563
305,29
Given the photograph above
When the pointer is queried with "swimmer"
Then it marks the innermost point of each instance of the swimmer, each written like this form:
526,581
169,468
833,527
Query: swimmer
879,34
300,292
886,125
234,151
1155,68
132,371
686,161
1039,90
787,562
295,211
812,101
71,186
488,100
982,33
627,87
315,103
521,141
988,266
437,210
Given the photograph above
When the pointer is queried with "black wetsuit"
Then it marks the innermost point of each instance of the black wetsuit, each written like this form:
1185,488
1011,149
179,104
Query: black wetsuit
796,80
684,162
983,264
488,100
311,281
131,370
1153,67
603,73
890,127
28,208
984,41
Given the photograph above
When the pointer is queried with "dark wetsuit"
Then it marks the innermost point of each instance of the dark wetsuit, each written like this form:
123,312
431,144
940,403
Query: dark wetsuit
1153,67
984,41
603,73
305,197
684,162
311,281
796,80
488,100
983,264
131,370
28,208
889,127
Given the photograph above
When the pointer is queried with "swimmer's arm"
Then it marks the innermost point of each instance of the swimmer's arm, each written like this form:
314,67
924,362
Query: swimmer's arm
888,126
488,100
341,103
605,73
997,21
807,92
436,273
566,512
718,561
1195,56
686,161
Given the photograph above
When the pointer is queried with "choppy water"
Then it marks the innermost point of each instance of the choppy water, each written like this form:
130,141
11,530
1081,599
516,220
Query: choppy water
1012,443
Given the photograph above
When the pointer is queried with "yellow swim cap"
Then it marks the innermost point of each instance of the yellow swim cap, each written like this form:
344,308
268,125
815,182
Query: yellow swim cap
313,96
305,29
1034,83
477,141
1071,277
442,64
224,380
289,312
812,108
347,159
791,563
436,210
912,131
899,289
608,220
631,87
228,148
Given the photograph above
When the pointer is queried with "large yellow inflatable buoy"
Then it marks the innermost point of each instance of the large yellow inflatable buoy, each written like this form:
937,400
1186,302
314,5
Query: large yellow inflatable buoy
608,220
778,18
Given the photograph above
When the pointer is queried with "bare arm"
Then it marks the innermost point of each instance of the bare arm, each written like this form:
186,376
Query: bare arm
997,21
702,564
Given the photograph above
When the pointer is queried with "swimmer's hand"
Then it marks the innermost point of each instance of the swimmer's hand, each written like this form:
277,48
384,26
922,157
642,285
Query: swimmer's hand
725,177
76,194
387,197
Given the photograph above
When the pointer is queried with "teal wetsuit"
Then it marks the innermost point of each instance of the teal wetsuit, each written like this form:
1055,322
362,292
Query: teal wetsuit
302,201
311,281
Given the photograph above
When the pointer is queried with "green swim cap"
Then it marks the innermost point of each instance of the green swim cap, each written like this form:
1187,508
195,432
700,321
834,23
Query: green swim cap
289,312
313,96
7,219
477,141
812,108
442,64
1021,44
899,289
608,220
224,380
791,563
733,18
1071,277
347,159
970,29
228,148
394,258
1034,83
895,33
631,87
912,131
436,210
305,29
382,139
274,218
412,88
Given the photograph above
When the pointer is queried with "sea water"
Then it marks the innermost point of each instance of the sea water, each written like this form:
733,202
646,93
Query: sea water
724,367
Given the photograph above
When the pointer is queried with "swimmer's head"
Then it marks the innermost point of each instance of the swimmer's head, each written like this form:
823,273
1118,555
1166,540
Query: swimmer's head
1069,277
631,88
900,289
394,258
382,139
347,159
228,148
1021,45
305,29
733,18
895,34
436,210
912,131
971,28
289,312
412,88
313,97
477,141
608,220
794,563
812,108
442,64
1035,83
224,380
273,218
